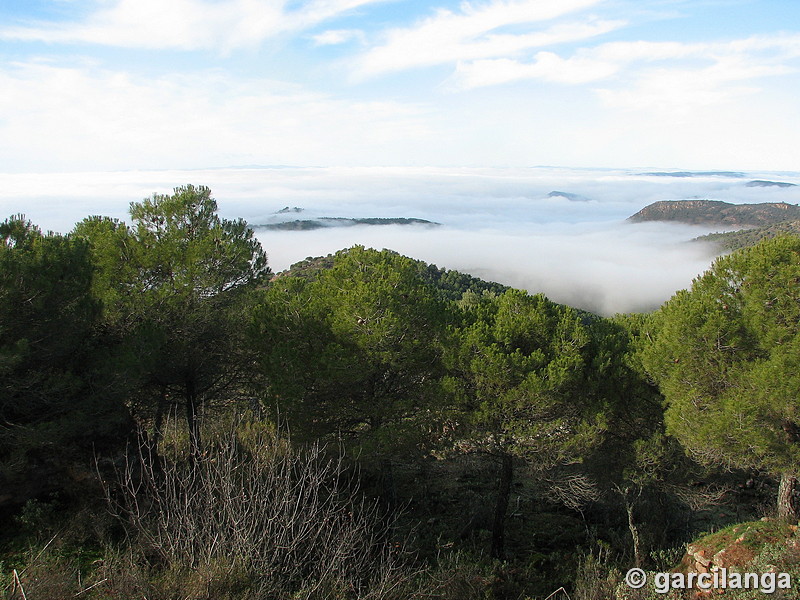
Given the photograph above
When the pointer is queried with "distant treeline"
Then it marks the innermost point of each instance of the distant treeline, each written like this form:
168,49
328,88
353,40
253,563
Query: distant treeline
744,238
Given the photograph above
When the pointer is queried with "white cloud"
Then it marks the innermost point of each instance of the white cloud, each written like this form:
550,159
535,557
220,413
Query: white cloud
58,117
473,33
764,50
659,78
691,76
678,92
334,37
185,24
547,66
606,268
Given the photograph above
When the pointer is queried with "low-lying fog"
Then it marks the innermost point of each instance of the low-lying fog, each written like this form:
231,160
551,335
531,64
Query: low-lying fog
498,224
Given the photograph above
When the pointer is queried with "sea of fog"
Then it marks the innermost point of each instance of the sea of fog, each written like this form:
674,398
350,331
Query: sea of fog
503,225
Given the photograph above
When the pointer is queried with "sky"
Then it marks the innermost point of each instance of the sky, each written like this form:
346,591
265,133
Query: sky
118,85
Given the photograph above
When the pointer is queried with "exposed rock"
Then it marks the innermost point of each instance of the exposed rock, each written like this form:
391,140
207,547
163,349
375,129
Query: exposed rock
700,559
734,549
720,559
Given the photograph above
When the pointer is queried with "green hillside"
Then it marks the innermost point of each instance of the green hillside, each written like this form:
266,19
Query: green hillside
734,240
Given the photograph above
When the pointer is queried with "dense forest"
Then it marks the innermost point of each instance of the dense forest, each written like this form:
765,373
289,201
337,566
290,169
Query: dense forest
178,422
743,238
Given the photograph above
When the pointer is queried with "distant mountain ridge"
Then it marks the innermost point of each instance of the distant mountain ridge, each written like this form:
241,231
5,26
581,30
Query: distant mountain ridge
734,174
324,222
717,212
763,183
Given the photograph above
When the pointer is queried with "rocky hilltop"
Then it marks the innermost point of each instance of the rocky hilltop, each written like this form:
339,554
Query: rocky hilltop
717,212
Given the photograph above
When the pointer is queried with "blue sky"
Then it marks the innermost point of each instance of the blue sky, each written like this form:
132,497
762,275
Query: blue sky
88,85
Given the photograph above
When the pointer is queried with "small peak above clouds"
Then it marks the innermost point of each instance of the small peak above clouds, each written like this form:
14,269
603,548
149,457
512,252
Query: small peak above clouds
762,183
569,196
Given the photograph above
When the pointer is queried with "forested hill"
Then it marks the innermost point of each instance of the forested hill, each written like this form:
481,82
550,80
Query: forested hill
450,285
717,212
754,222
734,240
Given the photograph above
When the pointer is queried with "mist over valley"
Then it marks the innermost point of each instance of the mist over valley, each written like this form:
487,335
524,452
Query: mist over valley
559,231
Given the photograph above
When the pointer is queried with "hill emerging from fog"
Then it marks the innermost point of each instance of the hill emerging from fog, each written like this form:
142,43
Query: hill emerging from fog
717,212
322,222
763,183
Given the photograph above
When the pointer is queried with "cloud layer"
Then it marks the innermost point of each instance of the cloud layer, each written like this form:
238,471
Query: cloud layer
479,31
499,224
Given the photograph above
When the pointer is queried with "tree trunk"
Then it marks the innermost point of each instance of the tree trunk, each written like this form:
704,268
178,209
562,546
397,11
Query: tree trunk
193,422
787,508
501,507
389,489
637,543
153,443
158,426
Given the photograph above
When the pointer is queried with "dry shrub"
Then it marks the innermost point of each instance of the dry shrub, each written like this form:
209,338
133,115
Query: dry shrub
458,576
47,577
256,517
596,579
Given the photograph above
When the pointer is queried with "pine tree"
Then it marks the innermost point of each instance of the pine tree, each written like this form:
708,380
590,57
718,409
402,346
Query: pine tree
726,355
